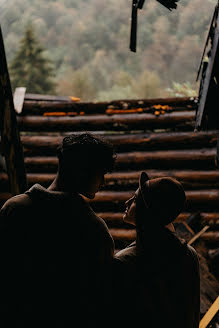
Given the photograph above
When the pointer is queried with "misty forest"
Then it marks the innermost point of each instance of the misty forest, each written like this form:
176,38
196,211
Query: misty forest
81,48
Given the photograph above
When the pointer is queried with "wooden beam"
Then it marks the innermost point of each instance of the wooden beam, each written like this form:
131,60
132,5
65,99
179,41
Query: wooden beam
117,217
38,98
205,86
191,179
212,236
10,137
39,104
197,197
198,235
125,142
209,315
138,160
130,235
19,95
103,122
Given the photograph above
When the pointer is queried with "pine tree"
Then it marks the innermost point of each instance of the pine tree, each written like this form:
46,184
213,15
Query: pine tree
30,68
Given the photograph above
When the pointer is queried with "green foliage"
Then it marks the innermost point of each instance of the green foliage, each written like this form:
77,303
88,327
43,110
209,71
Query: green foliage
30,68
88,42
182,90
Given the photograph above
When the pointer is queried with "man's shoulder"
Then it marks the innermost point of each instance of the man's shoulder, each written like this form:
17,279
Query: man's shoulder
15,204
127,254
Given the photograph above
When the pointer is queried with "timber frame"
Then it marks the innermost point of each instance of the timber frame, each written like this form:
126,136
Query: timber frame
10,137
207,115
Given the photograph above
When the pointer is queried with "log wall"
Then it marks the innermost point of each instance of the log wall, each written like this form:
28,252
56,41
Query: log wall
155,135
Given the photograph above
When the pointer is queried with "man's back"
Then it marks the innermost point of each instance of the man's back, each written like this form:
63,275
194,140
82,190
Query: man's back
53,249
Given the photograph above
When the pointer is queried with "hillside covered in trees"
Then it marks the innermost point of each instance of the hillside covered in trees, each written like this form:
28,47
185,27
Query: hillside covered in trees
88,44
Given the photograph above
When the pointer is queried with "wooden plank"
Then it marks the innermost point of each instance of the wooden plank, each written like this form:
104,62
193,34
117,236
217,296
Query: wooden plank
103,122
212,236
38,107
126,142
130,234
10,137
52,98
190,179
208,77
210,218
209,315
19,95
194,238
138,160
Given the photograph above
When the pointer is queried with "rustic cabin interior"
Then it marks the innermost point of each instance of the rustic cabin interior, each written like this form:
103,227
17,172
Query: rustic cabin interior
161,136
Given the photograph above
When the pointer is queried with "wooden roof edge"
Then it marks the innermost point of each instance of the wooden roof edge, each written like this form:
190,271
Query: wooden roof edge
139,102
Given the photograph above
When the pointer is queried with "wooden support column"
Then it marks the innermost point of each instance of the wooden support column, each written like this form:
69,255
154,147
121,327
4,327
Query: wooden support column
10,138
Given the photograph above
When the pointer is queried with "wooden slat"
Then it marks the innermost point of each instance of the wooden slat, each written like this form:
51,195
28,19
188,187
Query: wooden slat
117,217
38,104
130,234
135,141
104,122
210,196
212,236
36,98
139,160
209,315
10,138
190,179
19,95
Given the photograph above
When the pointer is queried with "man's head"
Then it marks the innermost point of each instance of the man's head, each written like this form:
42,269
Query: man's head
83,161
159,200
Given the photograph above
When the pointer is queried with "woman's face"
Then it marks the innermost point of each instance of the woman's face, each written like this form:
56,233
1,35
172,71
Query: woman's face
130,212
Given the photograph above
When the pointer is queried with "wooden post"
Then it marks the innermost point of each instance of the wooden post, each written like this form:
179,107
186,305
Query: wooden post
208,80
10,138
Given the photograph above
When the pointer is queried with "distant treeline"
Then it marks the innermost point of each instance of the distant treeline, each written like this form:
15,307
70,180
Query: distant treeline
88,43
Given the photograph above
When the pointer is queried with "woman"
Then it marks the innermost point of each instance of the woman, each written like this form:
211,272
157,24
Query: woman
160,272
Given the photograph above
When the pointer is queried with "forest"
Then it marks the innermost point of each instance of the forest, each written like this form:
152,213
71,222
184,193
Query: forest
87,44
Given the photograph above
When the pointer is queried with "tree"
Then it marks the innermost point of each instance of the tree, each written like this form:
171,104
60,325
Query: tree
30,68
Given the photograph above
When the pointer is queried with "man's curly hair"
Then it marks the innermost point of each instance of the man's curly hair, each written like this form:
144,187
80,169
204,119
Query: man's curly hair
85,153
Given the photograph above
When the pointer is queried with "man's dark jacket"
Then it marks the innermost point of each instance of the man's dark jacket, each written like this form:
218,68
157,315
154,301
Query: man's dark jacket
55,256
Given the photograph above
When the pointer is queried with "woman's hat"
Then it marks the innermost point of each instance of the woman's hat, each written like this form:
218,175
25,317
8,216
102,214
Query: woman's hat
164,197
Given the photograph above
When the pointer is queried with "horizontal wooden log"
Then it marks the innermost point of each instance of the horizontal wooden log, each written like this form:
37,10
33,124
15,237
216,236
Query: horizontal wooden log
130,234
46,98
142,141
4,196
38,104
117,218
194,177
191,179
197,200
170,159
123,234
210,196
203,158
211,236
104,122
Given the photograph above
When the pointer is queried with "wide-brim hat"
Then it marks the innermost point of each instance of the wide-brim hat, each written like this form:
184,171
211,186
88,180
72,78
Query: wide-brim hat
164,197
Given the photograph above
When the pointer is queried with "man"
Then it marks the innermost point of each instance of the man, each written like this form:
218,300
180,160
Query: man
55,251
157,281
